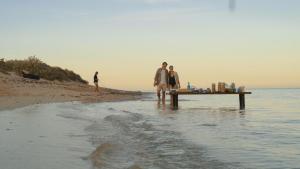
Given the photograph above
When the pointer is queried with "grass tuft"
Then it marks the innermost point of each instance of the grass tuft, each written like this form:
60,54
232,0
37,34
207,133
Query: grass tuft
35,66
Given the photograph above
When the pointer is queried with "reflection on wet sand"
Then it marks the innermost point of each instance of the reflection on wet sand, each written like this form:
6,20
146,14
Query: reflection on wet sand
135,167
161,104
95,157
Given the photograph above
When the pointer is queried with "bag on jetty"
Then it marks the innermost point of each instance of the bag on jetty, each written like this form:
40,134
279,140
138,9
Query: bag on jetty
241,89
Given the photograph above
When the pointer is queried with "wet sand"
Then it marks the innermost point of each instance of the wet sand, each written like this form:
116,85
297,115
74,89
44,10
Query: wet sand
95,157
16,91
36,136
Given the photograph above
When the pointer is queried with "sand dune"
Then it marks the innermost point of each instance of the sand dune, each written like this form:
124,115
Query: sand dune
16,91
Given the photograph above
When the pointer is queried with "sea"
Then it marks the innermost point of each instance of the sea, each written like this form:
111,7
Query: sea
206,132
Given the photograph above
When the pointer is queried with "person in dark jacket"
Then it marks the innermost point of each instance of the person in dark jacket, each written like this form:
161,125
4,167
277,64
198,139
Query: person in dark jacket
96,82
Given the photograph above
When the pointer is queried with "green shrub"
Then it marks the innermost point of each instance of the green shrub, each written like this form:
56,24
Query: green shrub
3,66
35,66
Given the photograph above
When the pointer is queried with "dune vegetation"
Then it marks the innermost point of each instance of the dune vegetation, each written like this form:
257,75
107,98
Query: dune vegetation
34,65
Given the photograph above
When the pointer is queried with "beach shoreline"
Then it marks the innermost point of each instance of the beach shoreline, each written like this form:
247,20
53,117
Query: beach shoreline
17,92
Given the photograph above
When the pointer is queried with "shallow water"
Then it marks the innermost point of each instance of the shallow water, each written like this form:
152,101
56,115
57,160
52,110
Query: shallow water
206,132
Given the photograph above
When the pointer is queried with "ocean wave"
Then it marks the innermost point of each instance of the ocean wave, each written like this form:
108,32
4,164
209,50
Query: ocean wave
138,141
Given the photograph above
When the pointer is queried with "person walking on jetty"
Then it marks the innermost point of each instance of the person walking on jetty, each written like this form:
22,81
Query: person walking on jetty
96,82
161,80
174,82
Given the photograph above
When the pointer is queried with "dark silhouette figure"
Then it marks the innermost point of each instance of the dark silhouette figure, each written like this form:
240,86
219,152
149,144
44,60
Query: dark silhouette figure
96,82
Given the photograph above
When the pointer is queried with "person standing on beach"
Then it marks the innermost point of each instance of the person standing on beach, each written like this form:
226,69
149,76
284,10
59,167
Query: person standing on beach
161,80
174,82
96,82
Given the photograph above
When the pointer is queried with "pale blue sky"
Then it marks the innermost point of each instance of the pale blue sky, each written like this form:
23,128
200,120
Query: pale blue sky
257,45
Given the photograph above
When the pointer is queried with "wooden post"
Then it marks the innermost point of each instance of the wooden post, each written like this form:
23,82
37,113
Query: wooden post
175,100
242,101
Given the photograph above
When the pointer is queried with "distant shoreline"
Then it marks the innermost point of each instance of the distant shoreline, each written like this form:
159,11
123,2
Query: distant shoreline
17,92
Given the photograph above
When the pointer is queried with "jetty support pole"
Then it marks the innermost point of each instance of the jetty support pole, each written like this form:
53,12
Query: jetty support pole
242,101
175,100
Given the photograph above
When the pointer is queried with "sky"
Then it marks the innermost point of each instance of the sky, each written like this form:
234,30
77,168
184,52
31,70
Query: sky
254,45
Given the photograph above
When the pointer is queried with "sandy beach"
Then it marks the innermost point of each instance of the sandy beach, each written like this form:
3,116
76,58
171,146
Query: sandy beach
16,91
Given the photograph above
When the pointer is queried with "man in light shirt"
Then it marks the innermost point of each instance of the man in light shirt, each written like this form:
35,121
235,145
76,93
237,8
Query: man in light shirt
161,80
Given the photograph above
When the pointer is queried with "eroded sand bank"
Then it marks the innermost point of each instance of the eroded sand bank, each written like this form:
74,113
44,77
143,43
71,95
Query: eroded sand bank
15,91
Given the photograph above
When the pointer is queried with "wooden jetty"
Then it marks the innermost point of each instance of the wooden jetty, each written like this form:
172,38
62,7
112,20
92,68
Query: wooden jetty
174,97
